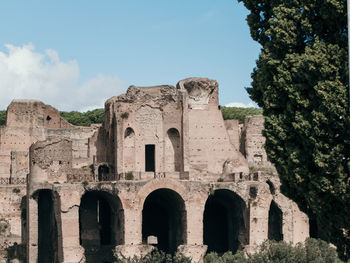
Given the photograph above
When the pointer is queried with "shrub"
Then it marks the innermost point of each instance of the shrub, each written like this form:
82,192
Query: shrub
313,251
129,176
228,257
156,256
16,190
124,115
85,184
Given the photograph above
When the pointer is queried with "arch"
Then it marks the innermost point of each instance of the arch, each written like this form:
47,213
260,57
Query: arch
49,230
164,220
275,222
158,183
103,172
173,156
101,225
129,150
225,222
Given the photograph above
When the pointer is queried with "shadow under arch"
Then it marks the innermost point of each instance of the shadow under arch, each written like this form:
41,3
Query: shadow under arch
101,225
49,226
225,222
275,225
164,220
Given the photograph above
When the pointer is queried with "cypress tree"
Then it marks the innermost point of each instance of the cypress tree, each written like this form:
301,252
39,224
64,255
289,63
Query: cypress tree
301,82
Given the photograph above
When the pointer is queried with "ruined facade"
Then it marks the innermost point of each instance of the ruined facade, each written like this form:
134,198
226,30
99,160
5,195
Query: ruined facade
163,170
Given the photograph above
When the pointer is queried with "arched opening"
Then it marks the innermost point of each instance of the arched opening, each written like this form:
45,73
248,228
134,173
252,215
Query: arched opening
24,219
225,222
164,220
101,225
173,151
129,150
103,171
271,187
48,230
275,222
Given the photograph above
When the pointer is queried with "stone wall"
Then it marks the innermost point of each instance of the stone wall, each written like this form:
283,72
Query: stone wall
164,169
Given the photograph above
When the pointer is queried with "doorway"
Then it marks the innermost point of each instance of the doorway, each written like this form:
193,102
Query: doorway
150,157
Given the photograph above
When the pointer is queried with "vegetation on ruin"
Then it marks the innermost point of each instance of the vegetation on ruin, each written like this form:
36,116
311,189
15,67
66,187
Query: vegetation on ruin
2,117
314,250
124,115
156,256
300,81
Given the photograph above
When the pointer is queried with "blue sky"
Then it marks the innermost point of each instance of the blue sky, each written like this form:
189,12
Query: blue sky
76,54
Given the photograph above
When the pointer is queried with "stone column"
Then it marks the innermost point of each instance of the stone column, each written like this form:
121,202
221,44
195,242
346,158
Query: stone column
301,226
32,228
258,221
184,132
69,213
132,235
194,247
72,251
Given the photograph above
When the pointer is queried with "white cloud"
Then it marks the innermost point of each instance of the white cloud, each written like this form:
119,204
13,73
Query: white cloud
241,105
27,74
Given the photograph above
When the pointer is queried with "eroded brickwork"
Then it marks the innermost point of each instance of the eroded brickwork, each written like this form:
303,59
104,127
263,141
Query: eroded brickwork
163,170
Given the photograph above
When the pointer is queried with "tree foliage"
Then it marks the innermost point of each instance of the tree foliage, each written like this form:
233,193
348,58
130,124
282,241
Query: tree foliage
300,81
2,117
237,113
97,115
85,118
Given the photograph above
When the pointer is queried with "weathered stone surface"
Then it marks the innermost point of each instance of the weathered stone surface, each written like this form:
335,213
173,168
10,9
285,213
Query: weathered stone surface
163,168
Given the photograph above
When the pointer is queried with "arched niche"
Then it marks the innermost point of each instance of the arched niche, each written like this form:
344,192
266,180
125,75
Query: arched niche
101,225
173,156
275,222
164,220
129,150
103,172
225,222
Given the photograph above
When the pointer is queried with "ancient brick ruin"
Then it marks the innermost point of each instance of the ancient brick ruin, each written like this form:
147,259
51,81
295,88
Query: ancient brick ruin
163,170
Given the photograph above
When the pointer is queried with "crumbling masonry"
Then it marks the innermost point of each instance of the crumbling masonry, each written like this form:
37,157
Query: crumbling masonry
163,170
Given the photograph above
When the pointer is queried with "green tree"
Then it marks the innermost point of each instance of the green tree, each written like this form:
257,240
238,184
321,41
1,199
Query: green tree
2,117
85,118
237,113
300,81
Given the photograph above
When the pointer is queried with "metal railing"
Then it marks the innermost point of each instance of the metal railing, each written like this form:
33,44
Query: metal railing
7,181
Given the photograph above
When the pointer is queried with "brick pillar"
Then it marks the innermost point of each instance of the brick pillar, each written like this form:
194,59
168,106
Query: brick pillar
72,251
32,228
